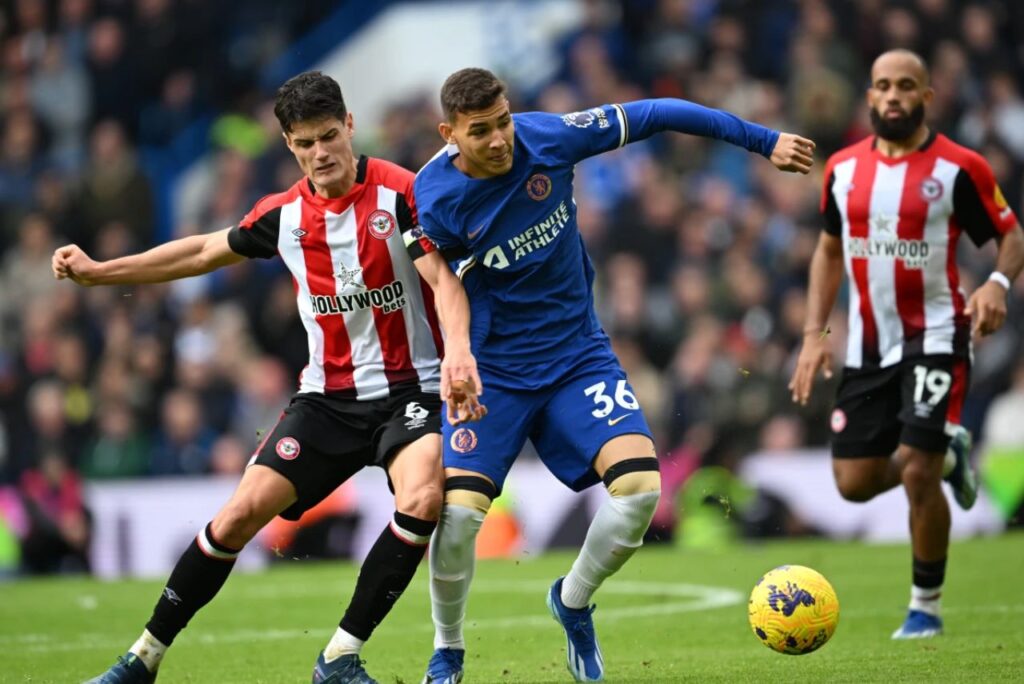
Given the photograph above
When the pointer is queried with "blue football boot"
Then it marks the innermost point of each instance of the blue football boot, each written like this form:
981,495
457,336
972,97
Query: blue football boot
583,654
348,669
919,625
962,477
445,666
128,669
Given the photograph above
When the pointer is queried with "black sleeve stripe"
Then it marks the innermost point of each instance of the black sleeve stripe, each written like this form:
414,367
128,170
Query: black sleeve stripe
833,221
455,252
415,250
404,214
970,212
246,242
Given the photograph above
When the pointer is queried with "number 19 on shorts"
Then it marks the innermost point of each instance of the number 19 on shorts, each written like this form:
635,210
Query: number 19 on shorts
935,380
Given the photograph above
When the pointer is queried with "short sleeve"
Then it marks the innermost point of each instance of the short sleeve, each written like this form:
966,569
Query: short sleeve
978,204
436,227
255,236
416,241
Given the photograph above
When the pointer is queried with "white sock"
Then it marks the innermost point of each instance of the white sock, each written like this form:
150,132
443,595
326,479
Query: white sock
342,643
149,650
452,561
925,600
615,534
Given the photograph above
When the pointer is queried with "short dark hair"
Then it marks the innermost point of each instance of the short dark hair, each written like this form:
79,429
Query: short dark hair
309,96
469,90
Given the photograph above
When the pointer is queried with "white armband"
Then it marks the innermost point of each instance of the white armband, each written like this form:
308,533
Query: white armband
1001,279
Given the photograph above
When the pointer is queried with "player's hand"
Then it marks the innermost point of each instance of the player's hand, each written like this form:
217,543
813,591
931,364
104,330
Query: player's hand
71,262
793,153
464,404
816,353
461,387
987,306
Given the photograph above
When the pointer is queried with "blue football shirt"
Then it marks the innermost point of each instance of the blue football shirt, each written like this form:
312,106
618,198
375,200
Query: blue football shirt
515,242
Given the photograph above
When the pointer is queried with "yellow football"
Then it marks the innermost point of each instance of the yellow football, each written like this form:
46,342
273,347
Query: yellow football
793,609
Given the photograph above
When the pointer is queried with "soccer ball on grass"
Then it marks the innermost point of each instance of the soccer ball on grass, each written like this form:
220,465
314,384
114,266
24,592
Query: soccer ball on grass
793,609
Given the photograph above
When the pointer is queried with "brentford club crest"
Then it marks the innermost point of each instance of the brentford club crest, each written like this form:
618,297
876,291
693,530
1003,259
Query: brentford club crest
838,420
381,224
463,440
288,448
538,187
931,189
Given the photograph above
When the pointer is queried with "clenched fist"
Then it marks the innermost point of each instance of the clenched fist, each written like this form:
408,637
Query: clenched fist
70,261
793,153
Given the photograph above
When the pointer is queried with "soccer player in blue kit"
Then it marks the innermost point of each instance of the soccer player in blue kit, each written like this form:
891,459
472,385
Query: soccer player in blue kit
498,202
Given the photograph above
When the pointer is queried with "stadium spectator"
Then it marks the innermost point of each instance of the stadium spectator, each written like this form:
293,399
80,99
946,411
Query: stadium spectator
183,444
19,270
120,449
114,187
62,98
57,538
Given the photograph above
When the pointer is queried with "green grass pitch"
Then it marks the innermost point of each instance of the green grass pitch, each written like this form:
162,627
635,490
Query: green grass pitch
670,616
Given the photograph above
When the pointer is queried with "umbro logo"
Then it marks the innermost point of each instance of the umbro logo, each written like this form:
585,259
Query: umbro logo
298,232
172,596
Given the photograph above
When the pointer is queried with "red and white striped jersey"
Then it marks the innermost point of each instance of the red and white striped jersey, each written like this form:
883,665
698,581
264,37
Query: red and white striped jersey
369,317
900,220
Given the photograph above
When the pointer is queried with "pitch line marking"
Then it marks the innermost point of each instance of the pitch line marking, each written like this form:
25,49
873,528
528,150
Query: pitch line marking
689,598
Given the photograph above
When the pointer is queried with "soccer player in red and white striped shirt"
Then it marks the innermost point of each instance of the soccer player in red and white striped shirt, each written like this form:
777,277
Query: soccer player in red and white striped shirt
366,281
895,205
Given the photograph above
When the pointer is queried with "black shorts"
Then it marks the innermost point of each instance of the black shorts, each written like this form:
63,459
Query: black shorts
321,441
909,403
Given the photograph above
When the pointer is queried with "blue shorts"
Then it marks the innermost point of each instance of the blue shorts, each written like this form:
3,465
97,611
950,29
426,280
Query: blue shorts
568,424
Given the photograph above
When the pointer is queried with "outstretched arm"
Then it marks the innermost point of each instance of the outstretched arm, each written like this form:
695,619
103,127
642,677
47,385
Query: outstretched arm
643,118
188,256
988,303
460,382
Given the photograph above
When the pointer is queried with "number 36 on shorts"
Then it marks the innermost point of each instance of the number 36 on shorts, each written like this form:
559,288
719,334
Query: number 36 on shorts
606,399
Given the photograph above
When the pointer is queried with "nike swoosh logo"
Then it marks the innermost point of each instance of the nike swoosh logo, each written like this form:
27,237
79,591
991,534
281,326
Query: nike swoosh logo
474,233
612,422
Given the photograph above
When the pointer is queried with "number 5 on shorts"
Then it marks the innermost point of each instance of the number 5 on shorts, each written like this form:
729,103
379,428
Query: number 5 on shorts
935,380
605,404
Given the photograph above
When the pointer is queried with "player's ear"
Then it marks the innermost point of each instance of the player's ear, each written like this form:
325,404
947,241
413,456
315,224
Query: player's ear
447,132
350,124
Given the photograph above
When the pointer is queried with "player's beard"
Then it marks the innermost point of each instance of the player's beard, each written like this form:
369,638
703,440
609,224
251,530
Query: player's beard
897,129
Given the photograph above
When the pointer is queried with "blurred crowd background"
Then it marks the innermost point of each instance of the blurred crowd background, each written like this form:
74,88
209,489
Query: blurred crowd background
701,249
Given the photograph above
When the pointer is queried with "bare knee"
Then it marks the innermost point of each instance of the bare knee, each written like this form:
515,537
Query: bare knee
422,501
855,489
922,476
858,480
237,523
